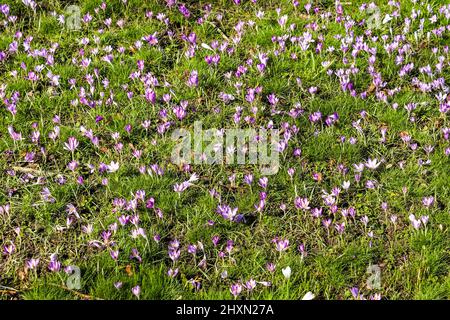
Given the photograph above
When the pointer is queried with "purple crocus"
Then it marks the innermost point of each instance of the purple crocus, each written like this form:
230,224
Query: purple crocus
355,292
172,272
263,182
301,203
193,79
114,254
135,255
54,265
250,285
215,240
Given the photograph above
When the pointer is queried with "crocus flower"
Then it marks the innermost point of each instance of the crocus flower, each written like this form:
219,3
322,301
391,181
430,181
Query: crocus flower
113,167
174,254
196,284
250,284
372,163
230,246
355,292
428,201
282,245
9,249
340,227
286,272
54,265
215,239
270,267
415,222
193,79
114,254
71,144
308,296
192,249
135,255
301,203
263,182
150,203
32,263
236,289
172,272
14,135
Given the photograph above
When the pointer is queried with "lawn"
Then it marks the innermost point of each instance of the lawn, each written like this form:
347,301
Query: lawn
93,204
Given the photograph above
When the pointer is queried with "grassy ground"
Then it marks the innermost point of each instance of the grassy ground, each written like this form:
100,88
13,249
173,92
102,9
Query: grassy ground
62,207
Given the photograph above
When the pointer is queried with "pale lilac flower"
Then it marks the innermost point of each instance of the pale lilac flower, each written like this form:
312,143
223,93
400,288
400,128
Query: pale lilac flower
308,296
180,187
192,249
302,203
172,272
14,135
135,255
9,249
47,196
72,144
114,254
136,291
54,265
340,227
287,272
174,254
113,167
32,263
193,79
236,289
72,210
428,201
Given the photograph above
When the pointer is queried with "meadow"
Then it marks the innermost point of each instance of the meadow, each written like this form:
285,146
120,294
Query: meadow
93,207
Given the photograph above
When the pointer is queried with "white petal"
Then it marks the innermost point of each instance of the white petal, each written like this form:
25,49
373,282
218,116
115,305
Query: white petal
308,296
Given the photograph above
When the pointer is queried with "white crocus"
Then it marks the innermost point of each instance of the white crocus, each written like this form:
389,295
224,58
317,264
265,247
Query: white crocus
372,163
287,272
308,296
